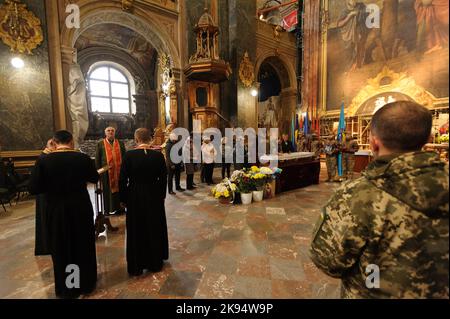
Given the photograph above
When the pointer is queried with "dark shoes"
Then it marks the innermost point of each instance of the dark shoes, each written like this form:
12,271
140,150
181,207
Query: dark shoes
172,193
179,189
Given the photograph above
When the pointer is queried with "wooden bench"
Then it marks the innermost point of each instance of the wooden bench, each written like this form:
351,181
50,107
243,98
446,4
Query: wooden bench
23,160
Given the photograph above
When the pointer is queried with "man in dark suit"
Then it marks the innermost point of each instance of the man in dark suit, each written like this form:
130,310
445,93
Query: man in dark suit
286,145
62,176
143,182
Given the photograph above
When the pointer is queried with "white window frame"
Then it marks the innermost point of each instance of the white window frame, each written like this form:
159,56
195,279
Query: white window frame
130,83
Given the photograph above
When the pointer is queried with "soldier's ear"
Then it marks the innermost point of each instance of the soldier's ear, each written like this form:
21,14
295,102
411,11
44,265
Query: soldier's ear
374,144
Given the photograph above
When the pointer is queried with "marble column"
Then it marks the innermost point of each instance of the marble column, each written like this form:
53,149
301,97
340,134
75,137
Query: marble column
243,18
142,108
152,116
68,55
178,75
289,103
312,37
56,70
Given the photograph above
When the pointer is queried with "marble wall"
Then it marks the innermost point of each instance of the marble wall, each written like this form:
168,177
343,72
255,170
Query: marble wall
26,115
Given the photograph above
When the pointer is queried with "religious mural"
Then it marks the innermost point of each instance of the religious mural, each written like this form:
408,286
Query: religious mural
119,37
26,114
412,39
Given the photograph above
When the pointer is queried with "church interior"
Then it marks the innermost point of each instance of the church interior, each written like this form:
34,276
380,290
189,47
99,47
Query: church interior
311,68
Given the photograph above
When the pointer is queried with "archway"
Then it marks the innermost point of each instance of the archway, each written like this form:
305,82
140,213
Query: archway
277,99
146,27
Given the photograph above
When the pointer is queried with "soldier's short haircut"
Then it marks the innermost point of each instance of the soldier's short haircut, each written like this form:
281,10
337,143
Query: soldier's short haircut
143,135
63,137
402,126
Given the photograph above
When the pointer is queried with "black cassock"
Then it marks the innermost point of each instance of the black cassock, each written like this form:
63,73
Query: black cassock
41,246
143,182
62,177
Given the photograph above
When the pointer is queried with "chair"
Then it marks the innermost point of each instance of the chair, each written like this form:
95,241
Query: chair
5,193
16,183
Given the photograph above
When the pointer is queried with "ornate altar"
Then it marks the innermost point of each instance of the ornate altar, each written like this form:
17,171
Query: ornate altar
205,71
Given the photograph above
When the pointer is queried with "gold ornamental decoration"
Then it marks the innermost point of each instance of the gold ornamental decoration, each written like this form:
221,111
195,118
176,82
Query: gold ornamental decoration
20,29
127,5
398,82
247,71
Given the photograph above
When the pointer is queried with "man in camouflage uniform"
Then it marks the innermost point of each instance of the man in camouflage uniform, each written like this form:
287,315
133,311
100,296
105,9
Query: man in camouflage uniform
316,145
350,148
331,149
301,143
395,217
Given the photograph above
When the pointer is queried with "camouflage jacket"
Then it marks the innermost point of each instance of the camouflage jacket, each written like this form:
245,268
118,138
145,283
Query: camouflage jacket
351,146
331,148
316,147
395,217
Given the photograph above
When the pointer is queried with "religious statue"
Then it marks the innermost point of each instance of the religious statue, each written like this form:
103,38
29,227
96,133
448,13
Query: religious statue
77,103
270,115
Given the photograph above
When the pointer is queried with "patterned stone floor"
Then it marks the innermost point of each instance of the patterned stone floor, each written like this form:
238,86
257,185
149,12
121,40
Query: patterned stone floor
216,251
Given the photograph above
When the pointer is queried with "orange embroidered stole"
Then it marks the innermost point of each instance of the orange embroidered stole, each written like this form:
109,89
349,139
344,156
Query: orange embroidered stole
114,160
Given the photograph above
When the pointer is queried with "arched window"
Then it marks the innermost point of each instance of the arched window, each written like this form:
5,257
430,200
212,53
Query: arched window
109,90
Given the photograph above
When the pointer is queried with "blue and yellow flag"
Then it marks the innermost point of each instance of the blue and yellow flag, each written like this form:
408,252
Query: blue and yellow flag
294,145
306,124
341,137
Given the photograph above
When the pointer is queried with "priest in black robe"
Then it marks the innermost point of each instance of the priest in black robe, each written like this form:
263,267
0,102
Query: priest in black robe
63,176
42,247
143,184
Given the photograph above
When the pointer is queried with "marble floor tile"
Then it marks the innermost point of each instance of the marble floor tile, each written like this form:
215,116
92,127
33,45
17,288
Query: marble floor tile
285,269
285,289
215,286
216,251
254,266
181,283
245,287
222,264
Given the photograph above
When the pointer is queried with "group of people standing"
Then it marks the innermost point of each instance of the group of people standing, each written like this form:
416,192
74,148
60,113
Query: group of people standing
203,160
135,180
332,149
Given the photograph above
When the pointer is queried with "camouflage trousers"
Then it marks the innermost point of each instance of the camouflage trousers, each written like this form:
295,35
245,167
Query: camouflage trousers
348,165
331,161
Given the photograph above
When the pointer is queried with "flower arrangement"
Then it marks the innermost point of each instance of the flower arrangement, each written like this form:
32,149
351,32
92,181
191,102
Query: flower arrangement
259,180
245,182
266,171
224,190
236,176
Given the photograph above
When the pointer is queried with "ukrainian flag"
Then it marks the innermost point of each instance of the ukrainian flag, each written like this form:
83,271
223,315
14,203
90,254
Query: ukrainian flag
341,137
